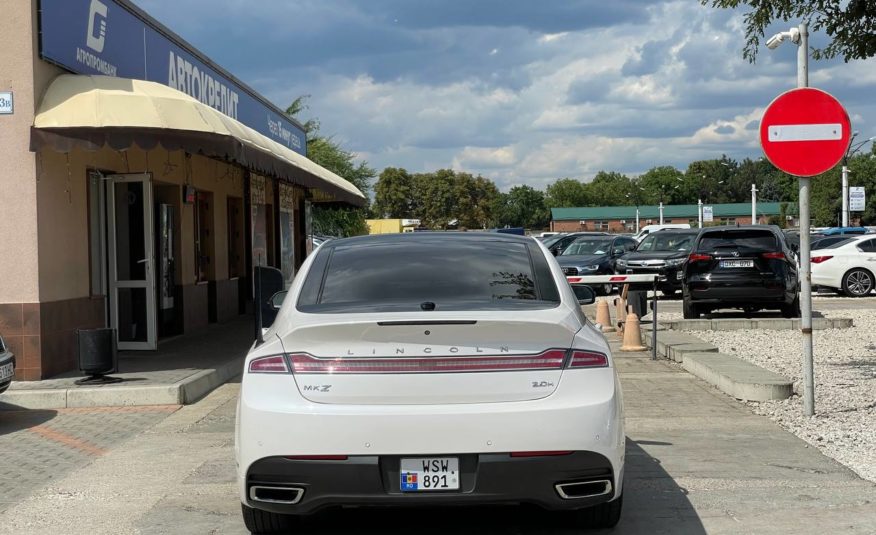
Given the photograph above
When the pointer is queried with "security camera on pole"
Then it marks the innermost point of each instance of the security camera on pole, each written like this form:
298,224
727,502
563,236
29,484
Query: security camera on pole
804,132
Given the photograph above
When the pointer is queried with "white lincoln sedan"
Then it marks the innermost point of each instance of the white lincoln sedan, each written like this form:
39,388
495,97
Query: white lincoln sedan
847,266
432,369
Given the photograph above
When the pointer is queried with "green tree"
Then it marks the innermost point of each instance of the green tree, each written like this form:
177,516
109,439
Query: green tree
522,206
850,24
328,153
394,194
475,200
566,193
664,183
609,189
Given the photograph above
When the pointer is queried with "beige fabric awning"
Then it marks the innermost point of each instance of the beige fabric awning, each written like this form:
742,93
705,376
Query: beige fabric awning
90,112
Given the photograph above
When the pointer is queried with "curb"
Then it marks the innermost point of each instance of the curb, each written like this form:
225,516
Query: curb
183,392
732,375
766,324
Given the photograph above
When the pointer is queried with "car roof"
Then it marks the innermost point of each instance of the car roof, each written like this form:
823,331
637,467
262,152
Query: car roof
435,236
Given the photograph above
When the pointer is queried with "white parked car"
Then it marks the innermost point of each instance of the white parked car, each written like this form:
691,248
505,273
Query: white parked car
430,369
651,229
848,266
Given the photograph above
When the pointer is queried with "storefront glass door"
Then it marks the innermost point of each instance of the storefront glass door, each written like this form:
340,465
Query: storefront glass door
131,261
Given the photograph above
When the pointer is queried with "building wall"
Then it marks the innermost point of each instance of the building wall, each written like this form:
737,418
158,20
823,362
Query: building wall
615,225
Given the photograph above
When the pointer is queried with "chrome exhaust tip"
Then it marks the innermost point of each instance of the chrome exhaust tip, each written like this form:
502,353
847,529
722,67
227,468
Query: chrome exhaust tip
284,495
584,489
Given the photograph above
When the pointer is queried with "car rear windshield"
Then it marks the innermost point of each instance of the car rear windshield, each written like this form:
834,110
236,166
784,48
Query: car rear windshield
667,241
742,240
417,275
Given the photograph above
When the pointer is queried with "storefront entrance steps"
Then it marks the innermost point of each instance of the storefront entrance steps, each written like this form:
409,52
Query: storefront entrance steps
183,370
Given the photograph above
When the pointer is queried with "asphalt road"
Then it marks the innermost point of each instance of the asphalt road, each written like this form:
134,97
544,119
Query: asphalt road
697,462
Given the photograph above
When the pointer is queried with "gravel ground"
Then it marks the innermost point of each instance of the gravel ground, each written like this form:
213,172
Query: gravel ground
844,426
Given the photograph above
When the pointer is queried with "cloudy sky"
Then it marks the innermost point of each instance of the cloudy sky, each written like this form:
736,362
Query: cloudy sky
522,92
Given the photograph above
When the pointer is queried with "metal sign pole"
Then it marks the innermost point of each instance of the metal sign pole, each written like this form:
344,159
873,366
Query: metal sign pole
805,260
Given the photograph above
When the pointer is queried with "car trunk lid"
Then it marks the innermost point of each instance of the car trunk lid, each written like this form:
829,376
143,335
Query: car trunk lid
429,361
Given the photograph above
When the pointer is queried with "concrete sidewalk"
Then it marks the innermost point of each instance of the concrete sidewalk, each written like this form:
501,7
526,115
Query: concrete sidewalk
183,370
700,462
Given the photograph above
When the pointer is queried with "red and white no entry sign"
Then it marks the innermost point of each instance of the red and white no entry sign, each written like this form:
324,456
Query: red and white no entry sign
805,132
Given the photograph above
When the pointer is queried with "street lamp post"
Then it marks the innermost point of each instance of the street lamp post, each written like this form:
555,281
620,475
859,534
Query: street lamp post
851,152
662,195
800,36
754,220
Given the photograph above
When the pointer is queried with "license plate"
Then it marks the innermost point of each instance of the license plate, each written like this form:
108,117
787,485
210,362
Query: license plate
6,371
737,263
426,474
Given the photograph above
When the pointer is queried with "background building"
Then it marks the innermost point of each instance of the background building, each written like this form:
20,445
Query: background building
623,218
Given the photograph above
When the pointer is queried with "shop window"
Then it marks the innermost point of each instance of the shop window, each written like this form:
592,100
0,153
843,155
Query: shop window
728,220
96,232
601,225
203,214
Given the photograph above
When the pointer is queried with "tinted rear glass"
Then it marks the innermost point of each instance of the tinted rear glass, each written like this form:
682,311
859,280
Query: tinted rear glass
754,240
453,274
667,241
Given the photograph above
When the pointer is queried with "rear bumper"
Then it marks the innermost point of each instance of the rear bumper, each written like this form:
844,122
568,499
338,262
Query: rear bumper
486,478
741,291
825,278
584,414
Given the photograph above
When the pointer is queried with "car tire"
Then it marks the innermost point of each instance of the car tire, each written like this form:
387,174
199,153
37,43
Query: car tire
792,310
690,310
858,283
258,521
602,516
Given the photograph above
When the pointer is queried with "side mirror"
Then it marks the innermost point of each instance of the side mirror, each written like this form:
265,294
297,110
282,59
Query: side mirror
558,251
585,294
618,251
276,301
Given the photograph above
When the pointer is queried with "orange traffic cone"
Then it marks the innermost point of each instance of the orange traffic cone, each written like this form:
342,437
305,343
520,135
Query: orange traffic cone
603,316
632,334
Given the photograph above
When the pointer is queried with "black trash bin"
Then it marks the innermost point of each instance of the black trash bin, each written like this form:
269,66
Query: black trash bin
96,355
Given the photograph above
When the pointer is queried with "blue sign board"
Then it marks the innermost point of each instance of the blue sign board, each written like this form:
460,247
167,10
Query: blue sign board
103,37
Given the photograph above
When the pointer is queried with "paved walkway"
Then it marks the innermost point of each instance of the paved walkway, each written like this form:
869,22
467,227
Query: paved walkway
700,462
182,370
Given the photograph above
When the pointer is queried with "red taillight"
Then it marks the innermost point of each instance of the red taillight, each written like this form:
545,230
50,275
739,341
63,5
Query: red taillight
774,256
317,457
820,259
303,363
272,364
539,453
698,257
588,359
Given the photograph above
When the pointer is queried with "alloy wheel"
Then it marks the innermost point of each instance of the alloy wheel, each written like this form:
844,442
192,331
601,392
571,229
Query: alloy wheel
859,283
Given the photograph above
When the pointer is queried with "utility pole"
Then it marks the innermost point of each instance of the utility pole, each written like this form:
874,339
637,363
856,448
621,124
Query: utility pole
700,211
661,212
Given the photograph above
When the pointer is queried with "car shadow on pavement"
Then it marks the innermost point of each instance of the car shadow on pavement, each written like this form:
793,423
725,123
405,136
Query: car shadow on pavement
653,504
14,418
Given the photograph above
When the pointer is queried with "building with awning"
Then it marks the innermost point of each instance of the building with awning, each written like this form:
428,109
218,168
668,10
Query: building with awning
141,183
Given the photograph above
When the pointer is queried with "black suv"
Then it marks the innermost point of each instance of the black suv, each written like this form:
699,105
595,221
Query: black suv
750,268
663,252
